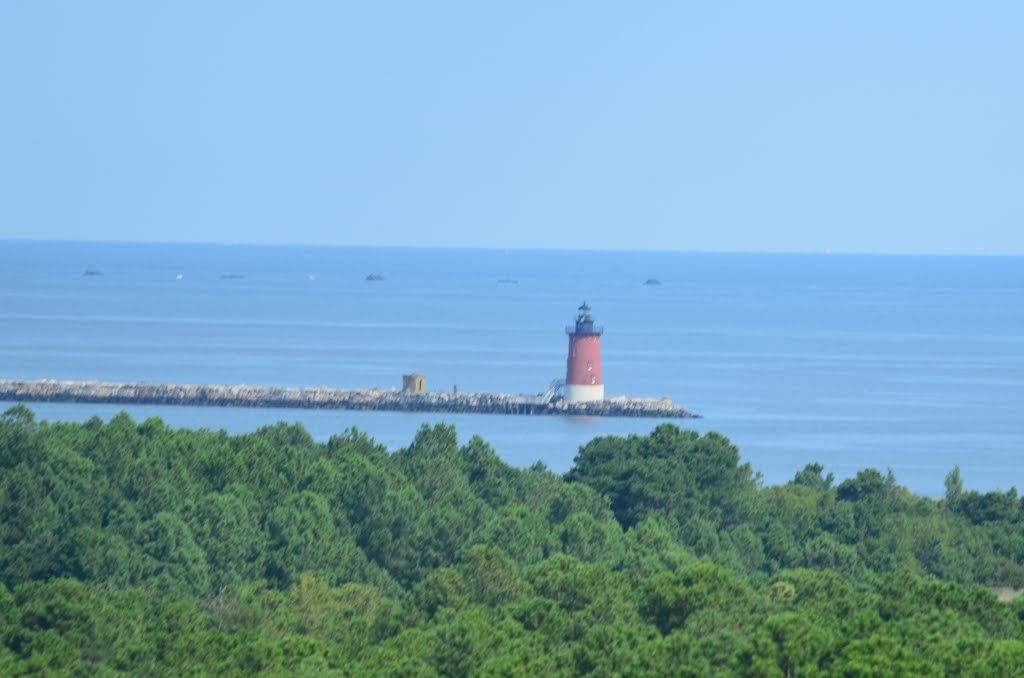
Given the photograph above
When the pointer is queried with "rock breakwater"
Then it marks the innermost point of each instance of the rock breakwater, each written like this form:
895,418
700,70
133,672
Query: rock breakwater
325,398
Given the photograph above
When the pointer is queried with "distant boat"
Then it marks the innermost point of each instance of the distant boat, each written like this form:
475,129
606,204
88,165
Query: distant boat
92,272
311,277
231,276
375,277
179,277
652,281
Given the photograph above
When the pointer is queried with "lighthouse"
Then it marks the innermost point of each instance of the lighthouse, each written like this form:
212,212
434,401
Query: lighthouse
583,368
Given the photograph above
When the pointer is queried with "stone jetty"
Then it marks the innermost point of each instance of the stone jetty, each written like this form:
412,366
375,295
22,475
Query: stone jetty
325,398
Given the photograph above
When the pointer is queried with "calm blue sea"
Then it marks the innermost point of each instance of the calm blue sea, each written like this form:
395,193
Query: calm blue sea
909,363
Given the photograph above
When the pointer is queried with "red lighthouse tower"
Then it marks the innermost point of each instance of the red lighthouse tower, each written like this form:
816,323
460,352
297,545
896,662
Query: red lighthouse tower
583,371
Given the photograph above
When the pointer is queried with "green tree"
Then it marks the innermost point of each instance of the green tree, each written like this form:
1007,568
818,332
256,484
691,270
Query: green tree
671,473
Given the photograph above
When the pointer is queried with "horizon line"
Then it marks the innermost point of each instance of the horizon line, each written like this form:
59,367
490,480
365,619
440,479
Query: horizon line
496,248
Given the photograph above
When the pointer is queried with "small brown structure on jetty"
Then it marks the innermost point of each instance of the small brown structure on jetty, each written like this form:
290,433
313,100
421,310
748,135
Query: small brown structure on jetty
414,383
324,398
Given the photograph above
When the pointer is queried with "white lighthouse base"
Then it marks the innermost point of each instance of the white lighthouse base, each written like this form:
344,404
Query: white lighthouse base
583,393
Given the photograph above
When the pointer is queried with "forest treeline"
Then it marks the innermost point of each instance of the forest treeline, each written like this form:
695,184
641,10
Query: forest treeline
134,548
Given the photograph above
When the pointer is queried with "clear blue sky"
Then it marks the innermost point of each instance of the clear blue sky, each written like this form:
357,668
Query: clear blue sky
788,126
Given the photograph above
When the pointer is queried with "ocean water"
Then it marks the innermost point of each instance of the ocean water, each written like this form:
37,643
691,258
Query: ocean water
909,363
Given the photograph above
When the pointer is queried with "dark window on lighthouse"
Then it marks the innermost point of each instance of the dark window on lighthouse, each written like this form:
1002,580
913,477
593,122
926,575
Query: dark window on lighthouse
593,379
590,365
573,351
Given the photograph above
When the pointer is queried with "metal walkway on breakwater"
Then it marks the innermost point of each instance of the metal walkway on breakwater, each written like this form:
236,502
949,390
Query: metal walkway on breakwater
324,398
